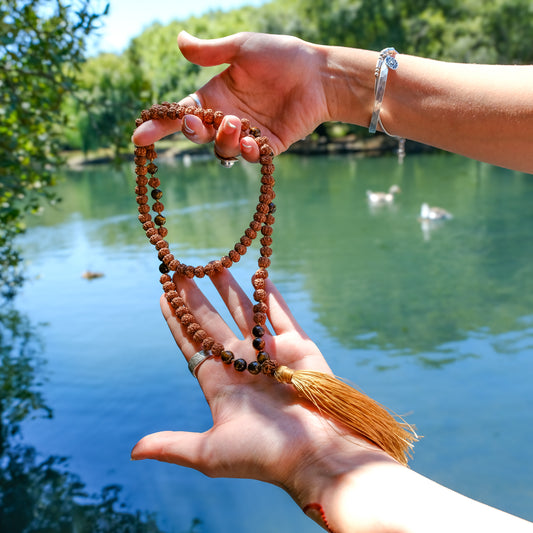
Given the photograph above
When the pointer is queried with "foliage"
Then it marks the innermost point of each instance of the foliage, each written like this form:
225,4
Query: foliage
41,47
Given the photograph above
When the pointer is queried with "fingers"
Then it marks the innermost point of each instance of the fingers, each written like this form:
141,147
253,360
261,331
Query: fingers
279,313
210,52
176,447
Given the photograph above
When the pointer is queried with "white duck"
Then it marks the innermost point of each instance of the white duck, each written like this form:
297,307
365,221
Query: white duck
383,197
434,213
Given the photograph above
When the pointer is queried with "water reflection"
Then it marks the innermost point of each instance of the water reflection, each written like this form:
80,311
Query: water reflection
40,493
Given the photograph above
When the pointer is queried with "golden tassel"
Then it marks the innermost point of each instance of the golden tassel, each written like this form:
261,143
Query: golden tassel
355,410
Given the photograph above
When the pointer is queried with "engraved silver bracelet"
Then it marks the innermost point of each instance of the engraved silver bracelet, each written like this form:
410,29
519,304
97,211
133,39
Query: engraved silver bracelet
387,60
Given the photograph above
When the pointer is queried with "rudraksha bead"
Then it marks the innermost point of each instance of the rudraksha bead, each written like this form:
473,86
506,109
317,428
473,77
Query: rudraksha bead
265,251
267,230
199,336
260,295
255,225
259,318
258,283
142,199
199,272
147,224
217,119
144,209
182,311
171,294
240,248
226,261
250,233
164,278
234,256
140,190
144,218
168,259
141,170
260,307
266,241
161,244
264,262
176,302
162,253
193,328
187,319
260,273
188,271
158,207
246,241
141,180
269,367
168,286
207,343
162,231
217,348
174,265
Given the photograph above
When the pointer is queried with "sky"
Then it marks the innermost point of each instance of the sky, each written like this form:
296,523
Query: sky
128,18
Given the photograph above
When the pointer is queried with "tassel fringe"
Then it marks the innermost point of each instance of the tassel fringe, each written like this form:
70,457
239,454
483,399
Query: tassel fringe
358,412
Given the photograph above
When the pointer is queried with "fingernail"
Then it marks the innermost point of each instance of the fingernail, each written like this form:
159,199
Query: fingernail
246,146
186,127
229,127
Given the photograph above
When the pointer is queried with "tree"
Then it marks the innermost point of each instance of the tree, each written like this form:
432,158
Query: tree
42,44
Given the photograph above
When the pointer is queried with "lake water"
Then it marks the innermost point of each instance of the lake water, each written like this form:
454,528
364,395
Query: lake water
436,323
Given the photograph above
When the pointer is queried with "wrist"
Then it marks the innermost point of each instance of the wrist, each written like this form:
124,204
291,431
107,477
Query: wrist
348,81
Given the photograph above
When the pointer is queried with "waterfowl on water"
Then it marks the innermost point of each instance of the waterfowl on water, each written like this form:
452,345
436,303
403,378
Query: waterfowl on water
434,213
383,197
89,274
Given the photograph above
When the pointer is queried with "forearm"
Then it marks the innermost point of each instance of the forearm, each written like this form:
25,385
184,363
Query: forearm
480,111
384,497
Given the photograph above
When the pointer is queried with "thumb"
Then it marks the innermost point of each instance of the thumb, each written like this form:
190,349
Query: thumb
209,52
178,447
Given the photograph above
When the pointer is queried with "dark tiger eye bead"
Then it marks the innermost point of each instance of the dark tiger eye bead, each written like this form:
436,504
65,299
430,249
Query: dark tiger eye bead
160,220
258,331
227,356
163,268
240,365
157,194
258,343
254,367
262,357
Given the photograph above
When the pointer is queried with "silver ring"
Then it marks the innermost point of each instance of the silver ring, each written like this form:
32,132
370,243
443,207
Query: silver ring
194,96
226,162
196,360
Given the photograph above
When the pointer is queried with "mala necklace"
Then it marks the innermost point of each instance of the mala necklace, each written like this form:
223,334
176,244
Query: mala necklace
330,395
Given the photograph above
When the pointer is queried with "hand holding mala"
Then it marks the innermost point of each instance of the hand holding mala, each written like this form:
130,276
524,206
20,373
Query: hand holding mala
331,396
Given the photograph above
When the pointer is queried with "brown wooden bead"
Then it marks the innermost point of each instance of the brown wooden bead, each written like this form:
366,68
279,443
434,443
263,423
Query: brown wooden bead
145,218
140,150
163,232
260,307
217,265
246,241
226,261
176,302
207,343
182,311
154,239
261,273
142,199
270,219
259,318
262,208
161,253
265,149
245,124
269,367
165,278
171,294
141,170
260,295
143,209
147,224
158,207
174,265
140,190
234,256
141,180
265,251
168,259
193,328
266,241
240,248
268,169
150,232
258,283
161,244
209,116
217,119
217,348
265,159
199,336
187,319
255,225
268,180
266,198
154,182
209,269
188,271
169,285
264,262
267,230
250,233
199,272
